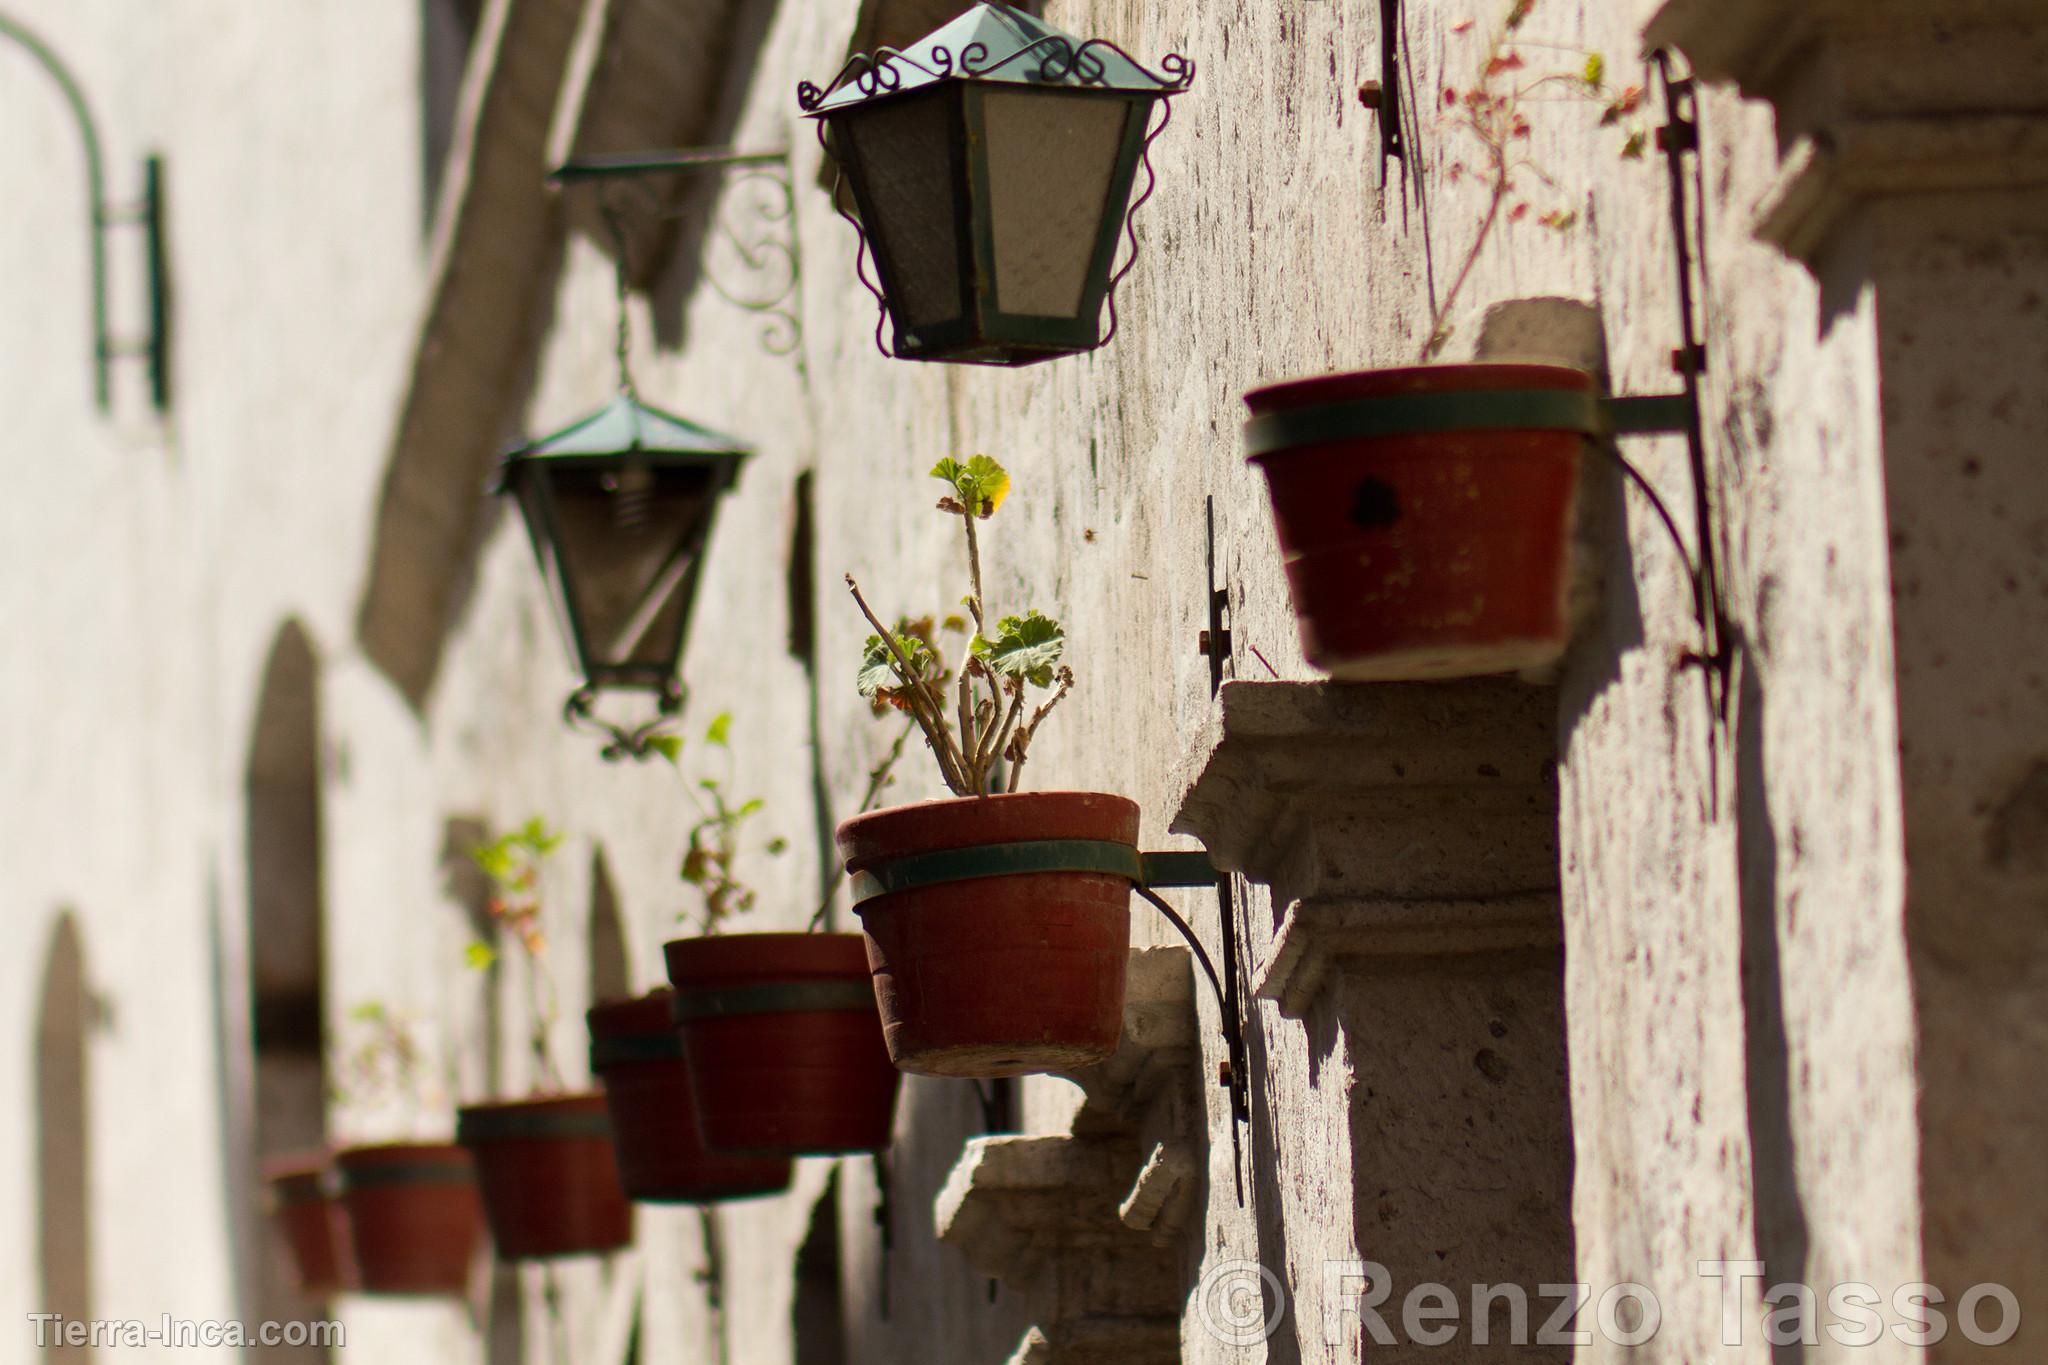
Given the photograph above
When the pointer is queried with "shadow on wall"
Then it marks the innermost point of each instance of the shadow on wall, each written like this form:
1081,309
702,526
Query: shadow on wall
64,1136
683,254
818,1314
1781,1227
611,971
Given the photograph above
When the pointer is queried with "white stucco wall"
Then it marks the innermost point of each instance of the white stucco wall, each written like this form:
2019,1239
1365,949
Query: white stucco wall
1722,1101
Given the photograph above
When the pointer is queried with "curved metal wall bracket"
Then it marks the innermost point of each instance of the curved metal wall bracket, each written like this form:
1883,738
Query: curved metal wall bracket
763,238
146,213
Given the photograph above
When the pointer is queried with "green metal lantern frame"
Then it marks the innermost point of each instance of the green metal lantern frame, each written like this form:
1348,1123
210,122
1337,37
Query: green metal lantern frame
659,443
1036,58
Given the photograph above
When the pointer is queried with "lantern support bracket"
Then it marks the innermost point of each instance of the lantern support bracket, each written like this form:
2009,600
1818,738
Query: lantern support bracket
147,213
765,240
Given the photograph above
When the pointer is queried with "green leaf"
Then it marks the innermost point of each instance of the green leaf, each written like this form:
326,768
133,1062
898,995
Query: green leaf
878,670
721,728
1024,647
669,747
778,845
370,1012
481,956
1596,69
1632,150
749,807
981,483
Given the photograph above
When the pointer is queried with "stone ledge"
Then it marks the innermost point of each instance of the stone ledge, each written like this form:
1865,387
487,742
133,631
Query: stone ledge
1085,1224
1321,933
1157,1053
1875,98
1389,819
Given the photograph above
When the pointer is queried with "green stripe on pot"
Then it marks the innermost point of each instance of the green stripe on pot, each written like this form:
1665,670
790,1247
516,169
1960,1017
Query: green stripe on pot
636,1047
500,1125
1412,414
445,1173
1032,855
773,997
298,1189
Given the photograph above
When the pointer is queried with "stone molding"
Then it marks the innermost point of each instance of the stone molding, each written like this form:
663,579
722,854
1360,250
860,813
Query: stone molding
1087,1224
1390,820
1876,98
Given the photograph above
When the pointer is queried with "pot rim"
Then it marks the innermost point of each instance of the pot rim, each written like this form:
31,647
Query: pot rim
1426,379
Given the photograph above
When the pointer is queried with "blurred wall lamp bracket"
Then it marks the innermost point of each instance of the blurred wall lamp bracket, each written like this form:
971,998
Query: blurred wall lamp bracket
147,213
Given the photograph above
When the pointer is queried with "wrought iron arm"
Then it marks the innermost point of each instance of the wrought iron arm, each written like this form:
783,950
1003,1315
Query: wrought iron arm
758,251
148,214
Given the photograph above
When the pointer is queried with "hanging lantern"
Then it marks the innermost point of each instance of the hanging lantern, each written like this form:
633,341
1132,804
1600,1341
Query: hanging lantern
992,165
619,506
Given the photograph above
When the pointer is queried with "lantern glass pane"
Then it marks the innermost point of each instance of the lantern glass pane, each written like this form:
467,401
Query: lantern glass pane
533,506
1052,156
904,151
627,536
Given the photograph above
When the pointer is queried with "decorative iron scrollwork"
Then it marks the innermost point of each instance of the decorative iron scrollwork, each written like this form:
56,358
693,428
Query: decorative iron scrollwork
754,220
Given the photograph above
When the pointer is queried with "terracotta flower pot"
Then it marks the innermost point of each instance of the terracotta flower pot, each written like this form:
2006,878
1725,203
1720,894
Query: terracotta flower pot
1010,971
308,1211
635,1049
1426,513
784,1049
414,1217
550,1185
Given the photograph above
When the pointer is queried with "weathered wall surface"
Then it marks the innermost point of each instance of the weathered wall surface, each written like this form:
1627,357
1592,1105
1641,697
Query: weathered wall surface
1739,1004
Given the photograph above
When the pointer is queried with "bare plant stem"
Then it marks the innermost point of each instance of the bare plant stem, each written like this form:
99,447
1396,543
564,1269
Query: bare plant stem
974,604
929,711
878,778
1438,335
1020,743
544,999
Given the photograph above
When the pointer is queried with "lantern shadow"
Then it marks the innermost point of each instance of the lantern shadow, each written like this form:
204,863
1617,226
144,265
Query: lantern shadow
692,221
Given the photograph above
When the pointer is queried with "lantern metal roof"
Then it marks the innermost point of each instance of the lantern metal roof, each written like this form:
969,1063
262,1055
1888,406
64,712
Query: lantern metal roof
994,42
627,426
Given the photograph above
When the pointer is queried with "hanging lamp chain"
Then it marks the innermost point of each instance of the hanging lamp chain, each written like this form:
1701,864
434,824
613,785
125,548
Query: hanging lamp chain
615,225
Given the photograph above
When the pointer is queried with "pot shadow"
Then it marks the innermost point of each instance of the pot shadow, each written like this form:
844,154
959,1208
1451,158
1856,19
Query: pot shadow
1269,1216
1614,627
1782,1234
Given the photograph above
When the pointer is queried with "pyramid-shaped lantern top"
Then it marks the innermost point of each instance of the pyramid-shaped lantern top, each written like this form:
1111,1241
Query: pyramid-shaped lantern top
620,506
993,165
995,42
626,425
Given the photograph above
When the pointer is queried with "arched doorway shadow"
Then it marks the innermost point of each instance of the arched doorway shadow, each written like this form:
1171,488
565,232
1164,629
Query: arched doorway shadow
64,1136
285,952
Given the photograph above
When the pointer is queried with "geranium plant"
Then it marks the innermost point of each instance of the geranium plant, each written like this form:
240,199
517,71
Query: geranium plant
513,862
380,1064
544,1161
711,857
972,717
1489,115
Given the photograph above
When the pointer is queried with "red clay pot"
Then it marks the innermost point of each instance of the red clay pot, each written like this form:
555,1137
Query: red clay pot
1426,553
997,975
784,1049
635,1049
414,1217
550,1185
308,1212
